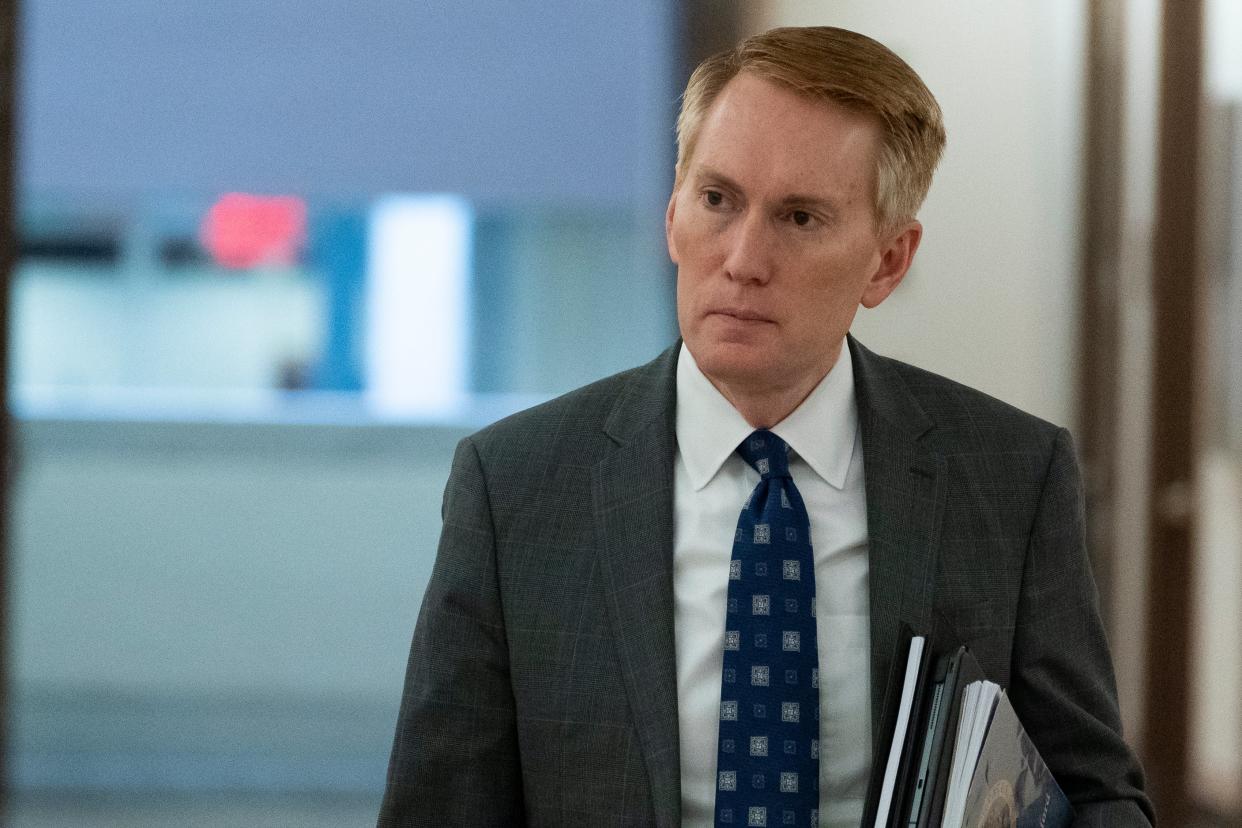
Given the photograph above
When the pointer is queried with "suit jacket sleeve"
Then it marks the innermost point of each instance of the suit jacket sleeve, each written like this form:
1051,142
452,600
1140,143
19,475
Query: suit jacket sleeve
455,755
1062,685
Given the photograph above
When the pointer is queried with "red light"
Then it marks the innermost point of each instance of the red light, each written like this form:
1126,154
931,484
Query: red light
242,230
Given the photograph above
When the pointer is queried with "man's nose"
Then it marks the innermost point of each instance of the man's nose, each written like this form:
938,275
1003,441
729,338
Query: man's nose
749,256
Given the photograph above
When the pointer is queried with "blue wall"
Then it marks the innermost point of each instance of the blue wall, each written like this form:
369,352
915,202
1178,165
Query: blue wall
557,101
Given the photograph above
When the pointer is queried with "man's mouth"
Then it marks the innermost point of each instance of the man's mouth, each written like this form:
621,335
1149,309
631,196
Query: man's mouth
740,314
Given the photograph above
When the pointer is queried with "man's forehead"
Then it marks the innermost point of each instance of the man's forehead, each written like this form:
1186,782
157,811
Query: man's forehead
760,133
750,93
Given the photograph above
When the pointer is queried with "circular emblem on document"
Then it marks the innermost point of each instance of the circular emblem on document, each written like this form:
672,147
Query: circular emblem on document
998,807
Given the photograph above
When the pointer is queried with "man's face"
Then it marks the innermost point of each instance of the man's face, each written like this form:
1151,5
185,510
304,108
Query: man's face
773,230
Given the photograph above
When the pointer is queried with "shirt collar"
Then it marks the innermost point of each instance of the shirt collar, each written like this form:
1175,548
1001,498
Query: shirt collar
822,430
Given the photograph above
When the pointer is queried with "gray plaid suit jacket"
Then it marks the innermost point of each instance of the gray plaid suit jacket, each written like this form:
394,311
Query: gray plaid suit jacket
541,686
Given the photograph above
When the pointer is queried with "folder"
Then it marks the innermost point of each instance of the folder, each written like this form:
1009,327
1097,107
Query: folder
1010,784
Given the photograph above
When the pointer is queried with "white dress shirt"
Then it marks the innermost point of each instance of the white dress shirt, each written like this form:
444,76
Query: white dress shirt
711,483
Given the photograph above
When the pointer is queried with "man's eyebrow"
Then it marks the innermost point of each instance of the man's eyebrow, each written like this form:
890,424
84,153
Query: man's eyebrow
716,176
800,200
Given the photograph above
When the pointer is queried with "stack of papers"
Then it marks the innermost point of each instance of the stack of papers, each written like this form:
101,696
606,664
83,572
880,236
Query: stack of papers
977,705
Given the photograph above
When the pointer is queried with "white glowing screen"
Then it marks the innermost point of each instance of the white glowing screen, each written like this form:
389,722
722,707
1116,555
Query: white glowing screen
417,305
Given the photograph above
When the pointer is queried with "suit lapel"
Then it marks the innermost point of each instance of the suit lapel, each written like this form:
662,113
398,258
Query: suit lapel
905,501
632,490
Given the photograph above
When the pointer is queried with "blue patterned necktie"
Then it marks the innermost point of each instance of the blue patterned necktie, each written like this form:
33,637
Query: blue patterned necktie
767,766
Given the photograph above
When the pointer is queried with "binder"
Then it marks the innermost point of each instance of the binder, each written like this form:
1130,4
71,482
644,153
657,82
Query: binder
907,768
960,670
910,656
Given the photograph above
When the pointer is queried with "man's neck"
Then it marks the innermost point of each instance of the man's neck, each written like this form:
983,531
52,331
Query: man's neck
764,407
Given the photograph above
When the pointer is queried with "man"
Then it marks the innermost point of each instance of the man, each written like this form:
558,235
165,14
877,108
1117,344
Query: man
591,648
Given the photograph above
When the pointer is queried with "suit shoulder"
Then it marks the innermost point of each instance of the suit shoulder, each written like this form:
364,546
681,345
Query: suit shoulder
574,420
959,410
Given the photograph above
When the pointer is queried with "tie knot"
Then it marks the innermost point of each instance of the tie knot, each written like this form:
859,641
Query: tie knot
766,453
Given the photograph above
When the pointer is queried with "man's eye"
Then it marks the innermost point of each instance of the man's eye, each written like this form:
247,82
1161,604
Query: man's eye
714,198
801,217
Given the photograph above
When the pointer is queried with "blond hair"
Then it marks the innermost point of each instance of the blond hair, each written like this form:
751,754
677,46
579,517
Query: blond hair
850,70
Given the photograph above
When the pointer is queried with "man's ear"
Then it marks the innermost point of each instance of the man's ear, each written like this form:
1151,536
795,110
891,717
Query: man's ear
895,257
668,225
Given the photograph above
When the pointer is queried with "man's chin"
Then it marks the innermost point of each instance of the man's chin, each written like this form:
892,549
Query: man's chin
734,363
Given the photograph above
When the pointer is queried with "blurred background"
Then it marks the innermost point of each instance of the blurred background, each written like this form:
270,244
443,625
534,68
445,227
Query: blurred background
267,262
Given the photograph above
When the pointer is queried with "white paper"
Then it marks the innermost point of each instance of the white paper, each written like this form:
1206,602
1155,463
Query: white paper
972,726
